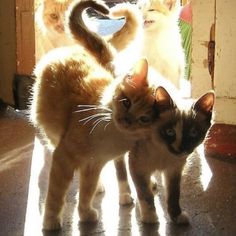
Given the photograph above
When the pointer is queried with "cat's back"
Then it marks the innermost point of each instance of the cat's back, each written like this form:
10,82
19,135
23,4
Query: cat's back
65,77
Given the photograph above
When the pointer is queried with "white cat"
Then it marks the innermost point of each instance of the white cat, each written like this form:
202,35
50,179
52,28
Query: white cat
161,39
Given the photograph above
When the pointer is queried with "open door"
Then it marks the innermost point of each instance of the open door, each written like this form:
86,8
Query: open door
25,52
25,45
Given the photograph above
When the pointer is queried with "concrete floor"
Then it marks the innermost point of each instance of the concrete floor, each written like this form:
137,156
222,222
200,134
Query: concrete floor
208,193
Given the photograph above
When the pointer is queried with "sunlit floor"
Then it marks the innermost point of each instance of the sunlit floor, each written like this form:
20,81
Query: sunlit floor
208,194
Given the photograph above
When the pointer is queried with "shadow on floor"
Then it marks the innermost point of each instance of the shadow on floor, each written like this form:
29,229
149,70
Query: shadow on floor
208,194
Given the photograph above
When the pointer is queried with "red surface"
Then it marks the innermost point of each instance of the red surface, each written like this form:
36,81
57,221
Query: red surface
221,141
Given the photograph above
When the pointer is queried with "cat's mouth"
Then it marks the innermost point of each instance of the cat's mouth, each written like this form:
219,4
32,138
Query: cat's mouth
146,23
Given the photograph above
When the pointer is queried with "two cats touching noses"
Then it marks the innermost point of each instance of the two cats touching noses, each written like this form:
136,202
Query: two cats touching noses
91,109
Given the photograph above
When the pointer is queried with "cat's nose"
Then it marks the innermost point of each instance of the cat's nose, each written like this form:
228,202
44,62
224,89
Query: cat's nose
127,120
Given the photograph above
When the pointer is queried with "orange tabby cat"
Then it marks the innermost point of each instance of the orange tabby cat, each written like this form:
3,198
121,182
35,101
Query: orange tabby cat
50,25
105,53
89,117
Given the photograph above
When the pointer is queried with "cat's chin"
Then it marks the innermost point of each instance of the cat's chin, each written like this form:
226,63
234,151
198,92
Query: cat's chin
136,134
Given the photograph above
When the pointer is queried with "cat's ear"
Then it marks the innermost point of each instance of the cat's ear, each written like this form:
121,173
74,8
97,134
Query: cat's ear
140,72
205,103
171,3
163,99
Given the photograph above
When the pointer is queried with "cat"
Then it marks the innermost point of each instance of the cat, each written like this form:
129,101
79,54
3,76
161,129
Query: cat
158,38
166,53
83,110
174,136
50,26
102,48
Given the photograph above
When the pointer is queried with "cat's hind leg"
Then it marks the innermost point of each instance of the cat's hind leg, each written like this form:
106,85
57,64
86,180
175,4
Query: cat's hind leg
61,174
89,177
125,197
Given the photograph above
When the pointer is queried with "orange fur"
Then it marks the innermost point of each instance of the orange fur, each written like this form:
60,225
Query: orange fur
74,108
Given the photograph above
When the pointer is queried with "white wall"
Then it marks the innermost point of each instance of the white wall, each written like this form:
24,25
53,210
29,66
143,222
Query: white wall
222,14
225,61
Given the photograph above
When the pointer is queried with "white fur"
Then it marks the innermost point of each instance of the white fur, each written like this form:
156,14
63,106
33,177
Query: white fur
162,41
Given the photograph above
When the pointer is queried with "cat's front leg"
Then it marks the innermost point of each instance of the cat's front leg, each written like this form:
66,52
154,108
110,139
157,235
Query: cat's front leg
125,197
61,174
89,176
144,191
172,184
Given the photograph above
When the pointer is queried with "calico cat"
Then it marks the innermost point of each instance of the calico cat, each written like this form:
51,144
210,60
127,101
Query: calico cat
174,135
83,110
50,25
165,54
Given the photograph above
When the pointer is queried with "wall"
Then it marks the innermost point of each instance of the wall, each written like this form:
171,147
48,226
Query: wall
225,61
206,13
7,49
203,18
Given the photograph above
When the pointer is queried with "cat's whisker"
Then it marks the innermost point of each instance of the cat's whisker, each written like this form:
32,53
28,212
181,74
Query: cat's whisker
121,100
106,125
96,123
92,107
89,118
105,118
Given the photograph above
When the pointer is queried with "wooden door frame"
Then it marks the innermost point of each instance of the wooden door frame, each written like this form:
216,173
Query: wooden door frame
203,19
25,37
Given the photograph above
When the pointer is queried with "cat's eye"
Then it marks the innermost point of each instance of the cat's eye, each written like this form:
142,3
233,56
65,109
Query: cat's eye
151,10
170,132
126,102
54,16
193,133
144,119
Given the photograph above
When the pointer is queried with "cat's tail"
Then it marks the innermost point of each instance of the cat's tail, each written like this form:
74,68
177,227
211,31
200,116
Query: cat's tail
131,29
97,46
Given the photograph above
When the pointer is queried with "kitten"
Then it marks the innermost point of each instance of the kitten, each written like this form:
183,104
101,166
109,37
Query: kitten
159,40
82,110
50,26
165,53
174,135
106,55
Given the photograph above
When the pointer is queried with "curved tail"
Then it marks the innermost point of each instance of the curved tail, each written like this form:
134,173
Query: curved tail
97,46
130,30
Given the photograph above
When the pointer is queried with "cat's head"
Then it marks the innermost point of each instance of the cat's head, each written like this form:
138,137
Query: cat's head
182,130
54,14
159,13
133,100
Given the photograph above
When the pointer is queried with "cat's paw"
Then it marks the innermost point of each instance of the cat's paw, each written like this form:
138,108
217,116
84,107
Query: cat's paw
89,215
181,219
51,223
149,217
125,199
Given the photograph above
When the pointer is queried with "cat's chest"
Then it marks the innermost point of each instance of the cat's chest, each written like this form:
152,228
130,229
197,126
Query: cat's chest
159,157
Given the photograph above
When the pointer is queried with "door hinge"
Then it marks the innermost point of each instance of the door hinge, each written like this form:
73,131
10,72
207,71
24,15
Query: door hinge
211,52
